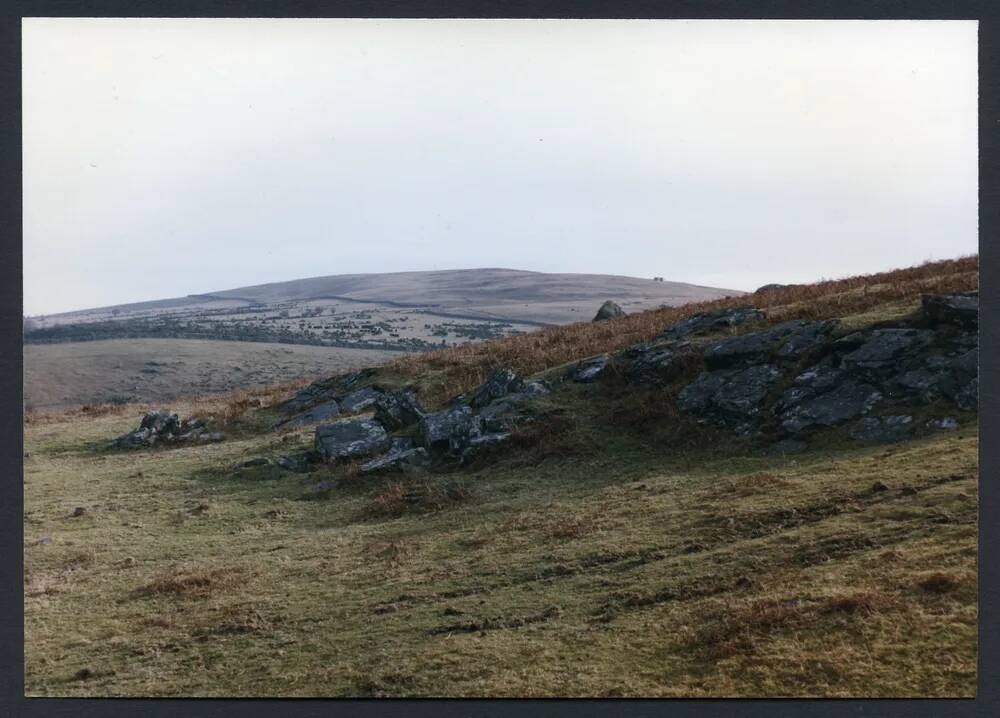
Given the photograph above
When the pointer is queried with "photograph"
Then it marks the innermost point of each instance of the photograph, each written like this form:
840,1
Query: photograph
500,358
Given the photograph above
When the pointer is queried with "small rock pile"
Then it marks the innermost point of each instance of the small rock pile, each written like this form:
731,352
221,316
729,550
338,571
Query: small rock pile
164,426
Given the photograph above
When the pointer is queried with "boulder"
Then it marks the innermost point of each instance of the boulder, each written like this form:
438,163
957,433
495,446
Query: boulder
730,397
608,310
959,309
350,439
158,426
442,431
807,409
714,321
590,369
360,399
499,383
398,409
887,428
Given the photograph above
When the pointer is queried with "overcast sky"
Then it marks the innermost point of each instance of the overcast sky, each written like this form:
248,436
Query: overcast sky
170,157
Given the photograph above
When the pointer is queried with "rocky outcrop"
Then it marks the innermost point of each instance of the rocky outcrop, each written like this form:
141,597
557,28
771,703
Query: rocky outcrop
959,309
360,400
590,369
730,397
608,310
320,412
498,384
350,439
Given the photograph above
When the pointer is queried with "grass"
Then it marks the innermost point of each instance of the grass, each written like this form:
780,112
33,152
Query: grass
612,548
611,568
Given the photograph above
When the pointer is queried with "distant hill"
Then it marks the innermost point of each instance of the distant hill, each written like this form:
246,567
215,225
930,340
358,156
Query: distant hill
494,294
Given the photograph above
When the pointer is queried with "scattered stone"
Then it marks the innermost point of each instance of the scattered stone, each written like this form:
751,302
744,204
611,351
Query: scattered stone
708,322
79,511
879,487
350,439
888,428
211,437
959,309
590,369
321,488
945,424
398,409
608,310
153,427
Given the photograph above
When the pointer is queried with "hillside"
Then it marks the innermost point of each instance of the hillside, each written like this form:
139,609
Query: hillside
771,495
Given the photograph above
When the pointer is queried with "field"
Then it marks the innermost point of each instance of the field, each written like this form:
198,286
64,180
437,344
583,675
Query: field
614,546
154,370
599,565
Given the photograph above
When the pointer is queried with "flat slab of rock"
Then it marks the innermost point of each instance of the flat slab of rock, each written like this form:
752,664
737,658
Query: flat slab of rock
320,412
848,400
350,439
884,348
590,369
359,400
402,455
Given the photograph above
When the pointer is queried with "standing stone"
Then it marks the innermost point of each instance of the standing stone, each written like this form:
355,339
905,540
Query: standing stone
608,310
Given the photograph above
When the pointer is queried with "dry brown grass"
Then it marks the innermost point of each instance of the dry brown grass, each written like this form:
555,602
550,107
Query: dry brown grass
187,583
463,367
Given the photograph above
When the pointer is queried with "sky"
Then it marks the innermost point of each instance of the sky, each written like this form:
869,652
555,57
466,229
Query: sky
172,157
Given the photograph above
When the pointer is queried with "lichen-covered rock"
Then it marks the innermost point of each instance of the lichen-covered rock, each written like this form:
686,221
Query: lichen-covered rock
360,399
959,309
730,397
442,431
499,383
398,409
807,409
350,439
708,322
883,349
886,428
590,369
608,310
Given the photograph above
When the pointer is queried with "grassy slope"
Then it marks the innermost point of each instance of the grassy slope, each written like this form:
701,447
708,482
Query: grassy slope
634,557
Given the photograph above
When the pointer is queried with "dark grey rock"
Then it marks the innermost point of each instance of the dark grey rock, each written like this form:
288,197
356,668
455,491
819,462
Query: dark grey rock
959,309
350,439
499,383
795,338
655,364
154,427
608,310
319,412
714,321
807,338
443,430
919,385
887,428
884,348
848,400
359,400
590,369
398,409
730,397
